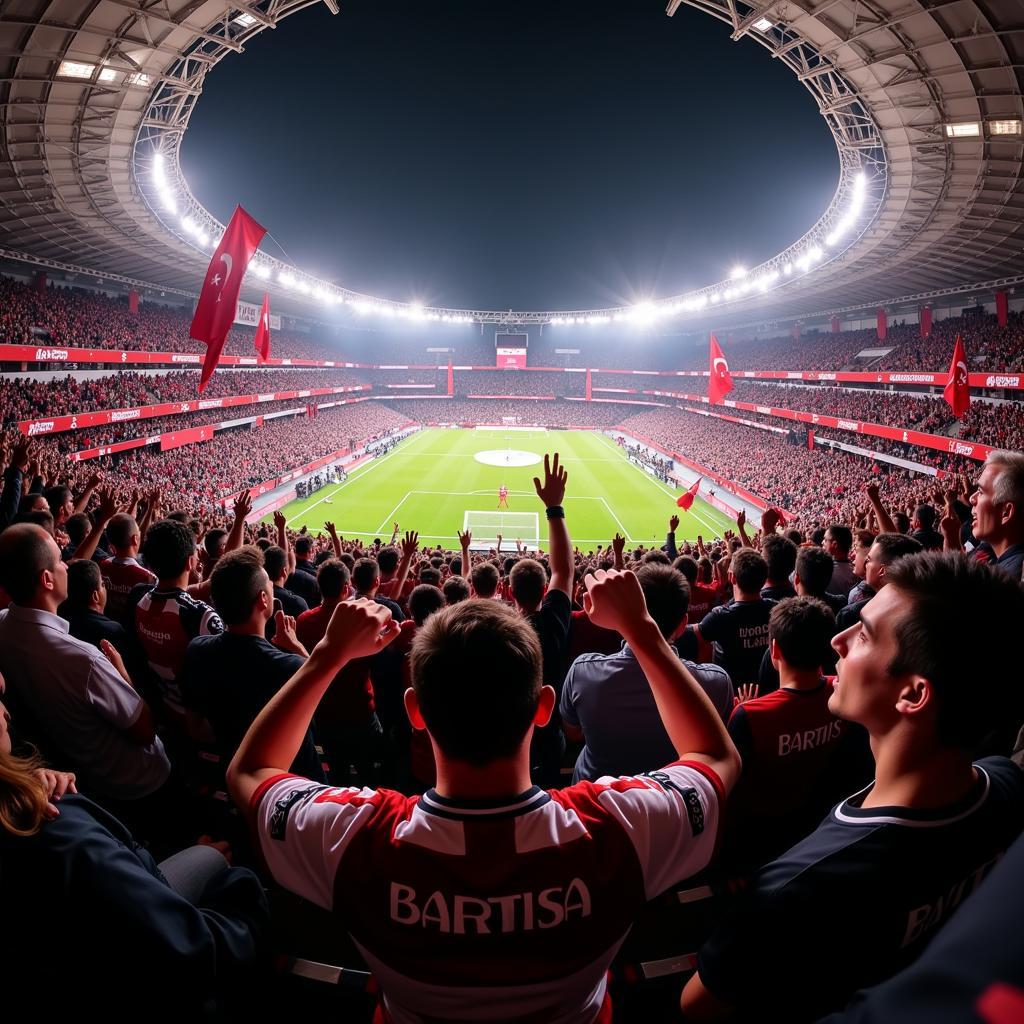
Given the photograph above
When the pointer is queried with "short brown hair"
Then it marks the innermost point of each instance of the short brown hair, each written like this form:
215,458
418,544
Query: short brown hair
332,578
236,582
803,628
749,570
930,641
528,580
455,589
25,552
476,670
484,578
667,595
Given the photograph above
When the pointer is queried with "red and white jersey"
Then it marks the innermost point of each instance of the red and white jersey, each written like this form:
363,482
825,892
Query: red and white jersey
121,576
502,492
475,911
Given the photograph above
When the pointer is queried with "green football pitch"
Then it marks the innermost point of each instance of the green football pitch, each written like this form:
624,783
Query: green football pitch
438,481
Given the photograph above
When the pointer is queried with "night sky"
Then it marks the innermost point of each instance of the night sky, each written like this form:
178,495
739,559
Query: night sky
539,154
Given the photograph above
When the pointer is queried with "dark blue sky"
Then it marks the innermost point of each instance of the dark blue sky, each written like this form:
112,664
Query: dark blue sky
535,154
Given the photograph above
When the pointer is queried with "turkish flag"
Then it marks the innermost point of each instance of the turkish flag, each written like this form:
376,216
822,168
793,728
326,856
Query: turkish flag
685,501
958,391
720,381
262,340
218,301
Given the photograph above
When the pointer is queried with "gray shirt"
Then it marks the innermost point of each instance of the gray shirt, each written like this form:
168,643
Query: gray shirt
844,579
609,698
81,702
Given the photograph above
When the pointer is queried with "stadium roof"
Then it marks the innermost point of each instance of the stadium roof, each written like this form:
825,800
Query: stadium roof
923,97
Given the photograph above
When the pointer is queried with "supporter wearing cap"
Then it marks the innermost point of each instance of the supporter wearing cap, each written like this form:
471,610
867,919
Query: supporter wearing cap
865,892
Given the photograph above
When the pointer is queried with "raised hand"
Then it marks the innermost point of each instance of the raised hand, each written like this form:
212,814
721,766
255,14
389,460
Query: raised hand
285,636
618,545
410,544
280,521
741,518
748,691
108,505
243,504
464,538
552,491
673,524
358,629
615,600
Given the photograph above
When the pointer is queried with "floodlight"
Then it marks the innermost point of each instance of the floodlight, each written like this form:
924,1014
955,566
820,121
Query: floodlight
1004,127
738,272
261,270
75,69
763,24
245,20
303,287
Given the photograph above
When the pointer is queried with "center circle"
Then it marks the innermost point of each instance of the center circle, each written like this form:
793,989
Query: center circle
507,457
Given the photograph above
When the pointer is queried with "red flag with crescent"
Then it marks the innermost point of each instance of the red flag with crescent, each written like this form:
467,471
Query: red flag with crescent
218,301
685,501
720,381
262,339
957,391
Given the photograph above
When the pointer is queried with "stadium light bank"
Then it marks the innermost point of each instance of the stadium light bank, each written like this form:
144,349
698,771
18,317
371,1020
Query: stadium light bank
189,221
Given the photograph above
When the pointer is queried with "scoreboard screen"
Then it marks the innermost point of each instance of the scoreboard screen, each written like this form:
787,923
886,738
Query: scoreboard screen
510,351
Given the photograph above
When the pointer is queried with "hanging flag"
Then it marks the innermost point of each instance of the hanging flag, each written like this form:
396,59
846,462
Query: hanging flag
262,340
720,381
218,301
958,392
685,501
810,440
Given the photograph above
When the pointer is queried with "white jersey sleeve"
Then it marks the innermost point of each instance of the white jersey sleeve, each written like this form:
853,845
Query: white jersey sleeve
671,816
304,828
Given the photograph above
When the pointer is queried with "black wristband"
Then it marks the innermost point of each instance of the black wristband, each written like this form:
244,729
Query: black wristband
555,512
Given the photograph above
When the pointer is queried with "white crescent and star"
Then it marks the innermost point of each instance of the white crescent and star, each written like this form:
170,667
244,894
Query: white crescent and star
226,259
720,365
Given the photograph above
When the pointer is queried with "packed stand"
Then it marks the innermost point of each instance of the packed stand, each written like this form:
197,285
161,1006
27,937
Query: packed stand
667,730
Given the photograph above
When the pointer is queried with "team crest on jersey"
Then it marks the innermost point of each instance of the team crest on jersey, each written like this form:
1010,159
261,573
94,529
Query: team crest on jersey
283,807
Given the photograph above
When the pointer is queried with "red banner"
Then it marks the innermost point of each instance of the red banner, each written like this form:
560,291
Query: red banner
883,324
1002,308
193,435
76,421
926,321
937,442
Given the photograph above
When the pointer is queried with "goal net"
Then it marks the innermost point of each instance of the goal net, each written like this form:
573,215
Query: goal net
513,526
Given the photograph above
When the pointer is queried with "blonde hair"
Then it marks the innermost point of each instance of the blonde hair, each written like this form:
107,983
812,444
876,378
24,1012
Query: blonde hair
23,796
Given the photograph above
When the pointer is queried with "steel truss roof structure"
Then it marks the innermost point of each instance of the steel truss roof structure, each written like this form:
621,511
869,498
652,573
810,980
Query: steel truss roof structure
92,91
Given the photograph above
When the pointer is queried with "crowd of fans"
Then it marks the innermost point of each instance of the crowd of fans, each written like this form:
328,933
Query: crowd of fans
23,398
817,485
68,317
1000,424
520,383
559,414
715,704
